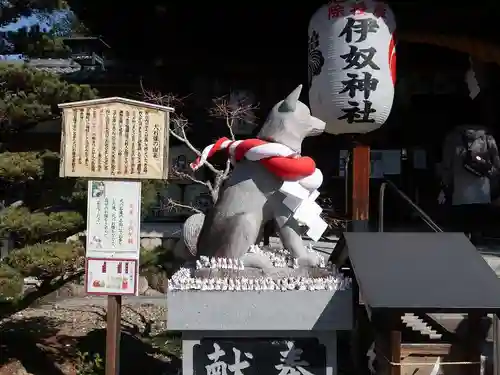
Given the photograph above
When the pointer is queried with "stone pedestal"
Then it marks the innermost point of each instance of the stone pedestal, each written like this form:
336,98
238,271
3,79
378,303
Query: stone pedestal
259,332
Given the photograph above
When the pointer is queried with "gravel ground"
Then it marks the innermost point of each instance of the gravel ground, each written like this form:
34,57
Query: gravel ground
56,333
78,321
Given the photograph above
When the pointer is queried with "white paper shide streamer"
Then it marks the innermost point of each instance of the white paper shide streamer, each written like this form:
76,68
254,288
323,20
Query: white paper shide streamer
352,65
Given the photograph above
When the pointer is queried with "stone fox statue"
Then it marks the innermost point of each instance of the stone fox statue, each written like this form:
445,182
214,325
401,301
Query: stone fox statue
251,196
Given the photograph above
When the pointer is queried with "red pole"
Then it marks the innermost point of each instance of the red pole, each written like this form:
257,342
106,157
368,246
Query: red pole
360,199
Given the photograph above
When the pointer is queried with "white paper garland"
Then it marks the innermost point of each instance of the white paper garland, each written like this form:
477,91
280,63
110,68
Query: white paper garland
280,258
183,280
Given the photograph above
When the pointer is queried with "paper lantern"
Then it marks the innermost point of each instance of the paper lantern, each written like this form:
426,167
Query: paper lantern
352,65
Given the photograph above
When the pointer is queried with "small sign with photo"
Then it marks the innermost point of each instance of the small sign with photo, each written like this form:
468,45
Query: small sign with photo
111,276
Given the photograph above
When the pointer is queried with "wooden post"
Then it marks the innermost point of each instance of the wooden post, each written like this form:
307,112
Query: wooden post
360,188
113,335
380,327
473,343
387,329
102,176
395,350
496,345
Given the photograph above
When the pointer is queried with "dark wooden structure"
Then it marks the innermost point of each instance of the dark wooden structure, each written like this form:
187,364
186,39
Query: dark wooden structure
267,59
420,273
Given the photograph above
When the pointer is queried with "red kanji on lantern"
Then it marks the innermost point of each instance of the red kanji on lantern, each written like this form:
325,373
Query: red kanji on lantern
126,268
380,10
358,8
335,11
103,268
119,268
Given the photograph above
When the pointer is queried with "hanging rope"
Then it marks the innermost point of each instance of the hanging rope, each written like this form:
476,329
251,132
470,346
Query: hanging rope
429,363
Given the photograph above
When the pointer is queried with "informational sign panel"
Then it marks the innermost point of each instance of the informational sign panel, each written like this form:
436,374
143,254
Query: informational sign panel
114,138
113,219
106,276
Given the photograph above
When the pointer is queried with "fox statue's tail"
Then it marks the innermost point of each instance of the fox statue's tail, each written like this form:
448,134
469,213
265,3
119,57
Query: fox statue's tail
186,247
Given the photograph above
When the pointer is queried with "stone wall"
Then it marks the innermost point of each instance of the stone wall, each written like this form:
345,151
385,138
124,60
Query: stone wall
152,235
160,234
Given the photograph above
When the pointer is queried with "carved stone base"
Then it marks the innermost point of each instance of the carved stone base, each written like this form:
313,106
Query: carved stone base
295,310
247,321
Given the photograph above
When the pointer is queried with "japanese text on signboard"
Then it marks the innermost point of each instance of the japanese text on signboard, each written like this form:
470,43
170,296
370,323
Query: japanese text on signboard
114,141
113,216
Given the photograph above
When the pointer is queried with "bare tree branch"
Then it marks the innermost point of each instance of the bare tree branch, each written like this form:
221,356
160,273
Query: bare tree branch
173,205
187,176
178,123
231,112
180,128
214,193
223,108
168,99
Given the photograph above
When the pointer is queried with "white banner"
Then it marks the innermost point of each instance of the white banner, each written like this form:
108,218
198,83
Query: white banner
352,65
113,219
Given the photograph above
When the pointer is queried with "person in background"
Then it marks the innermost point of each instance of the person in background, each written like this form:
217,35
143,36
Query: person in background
470,164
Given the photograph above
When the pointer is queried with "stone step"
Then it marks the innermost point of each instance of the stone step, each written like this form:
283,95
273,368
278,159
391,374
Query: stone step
416,324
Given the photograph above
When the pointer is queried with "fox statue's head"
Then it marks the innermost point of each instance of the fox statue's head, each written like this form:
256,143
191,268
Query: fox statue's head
290,121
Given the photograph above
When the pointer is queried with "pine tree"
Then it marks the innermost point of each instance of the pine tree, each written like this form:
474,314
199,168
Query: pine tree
40,210
13,10
37,210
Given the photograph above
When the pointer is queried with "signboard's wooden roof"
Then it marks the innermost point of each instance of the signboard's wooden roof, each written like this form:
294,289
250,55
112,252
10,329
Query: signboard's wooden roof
115,99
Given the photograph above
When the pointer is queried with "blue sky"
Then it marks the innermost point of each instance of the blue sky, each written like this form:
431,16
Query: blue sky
23,22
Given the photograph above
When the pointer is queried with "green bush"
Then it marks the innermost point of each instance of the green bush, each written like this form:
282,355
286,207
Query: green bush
89,364
30,227
11,282
46,261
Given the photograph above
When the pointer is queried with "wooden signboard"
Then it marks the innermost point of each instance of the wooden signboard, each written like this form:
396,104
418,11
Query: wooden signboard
114,138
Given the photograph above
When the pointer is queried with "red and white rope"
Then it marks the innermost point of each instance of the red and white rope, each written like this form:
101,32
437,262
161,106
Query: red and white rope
281,160
301,178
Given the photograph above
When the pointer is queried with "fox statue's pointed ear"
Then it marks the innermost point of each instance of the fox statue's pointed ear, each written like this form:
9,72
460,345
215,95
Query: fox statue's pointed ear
290,102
